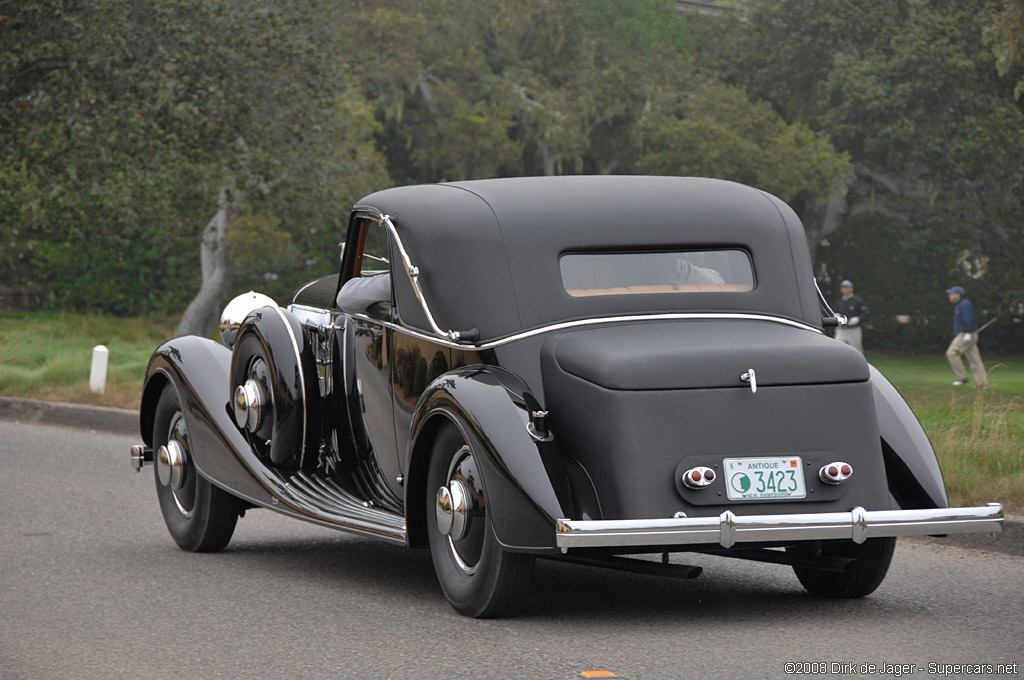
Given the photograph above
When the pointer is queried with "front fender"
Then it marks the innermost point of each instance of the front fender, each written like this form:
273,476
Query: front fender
197,368
915,480
524,477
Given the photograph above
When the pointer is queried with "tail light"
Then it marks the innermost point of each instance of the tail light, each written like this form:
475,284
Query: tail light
835,473
698,477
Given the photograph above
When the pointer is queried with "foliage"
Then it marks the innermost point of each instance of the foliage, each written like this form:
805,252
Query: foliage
130,116
21,198
719,132
477,89
893,129
916,98
1005,35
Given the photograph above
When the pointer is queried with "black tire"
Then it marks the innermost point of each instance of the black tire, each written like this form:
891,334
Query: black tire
200,516
478,577
873,558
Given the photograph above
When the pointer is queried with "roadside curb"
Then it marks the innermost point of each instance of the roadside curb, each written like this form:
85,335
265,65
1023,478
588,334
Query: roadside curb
115,420
1010,541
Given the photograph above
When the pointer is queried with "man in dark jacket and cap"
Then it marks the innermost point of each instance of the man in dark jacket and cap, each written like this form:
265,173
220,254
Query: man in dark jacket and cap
856,313
965,341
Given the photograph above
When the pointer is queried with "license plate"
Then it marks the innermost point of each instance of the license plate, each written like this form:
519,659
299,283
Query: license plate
764,478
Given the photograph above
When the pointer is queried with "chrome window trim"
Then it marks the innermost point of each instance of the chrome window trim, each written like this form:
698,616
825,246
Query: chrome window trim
411,270
451,338
840,319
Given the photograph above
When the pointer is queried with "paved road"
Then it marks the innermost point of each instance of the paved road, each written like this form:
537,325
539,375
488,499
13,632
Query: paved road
91,586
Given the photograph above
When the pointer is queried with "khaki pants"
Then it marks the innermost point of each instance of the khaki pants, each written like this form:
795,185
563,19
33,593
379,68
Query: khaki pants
851,337
969,348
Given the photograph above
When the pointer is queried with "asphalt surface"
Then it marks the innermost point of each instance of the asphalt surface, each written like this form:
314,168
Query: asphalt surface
91,586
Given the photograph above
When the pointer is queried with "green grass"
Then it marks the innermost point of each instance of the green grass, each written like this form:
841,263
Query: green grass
48,355
978,435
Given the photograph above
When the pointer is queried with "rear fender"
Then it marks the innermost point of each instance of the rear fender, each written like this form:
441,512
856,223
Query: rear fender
524,477
197,368
915,480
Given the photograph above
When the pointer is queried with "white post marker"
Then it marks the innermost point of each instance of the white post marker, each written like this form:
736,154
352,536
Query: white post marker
98,374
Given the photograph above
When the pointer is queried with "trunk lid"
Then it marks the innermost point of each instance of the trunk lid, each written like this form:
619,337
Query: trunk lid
637,405
705,354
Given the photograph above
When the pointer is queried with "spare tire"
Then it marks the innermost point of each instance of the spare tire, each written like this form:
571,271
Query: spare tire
274,403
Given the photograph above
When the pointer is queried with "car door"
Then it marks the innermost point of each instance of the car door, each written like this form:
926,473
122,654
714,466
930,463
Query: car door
366,343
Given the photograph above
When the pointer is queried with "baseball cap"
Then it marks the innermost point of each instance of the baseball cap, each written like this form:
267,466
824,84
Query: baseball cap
846,282
956,289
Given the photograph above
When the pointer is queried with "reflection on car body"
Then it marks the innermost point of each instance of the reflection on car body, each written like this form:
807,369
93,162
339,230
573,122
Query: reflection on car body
542,382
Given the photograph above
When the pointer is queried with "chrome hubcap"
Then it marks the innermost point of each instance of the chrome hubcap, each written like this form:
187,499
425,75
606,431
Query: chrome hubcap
170,464
453,510
460,510
248,405
174,468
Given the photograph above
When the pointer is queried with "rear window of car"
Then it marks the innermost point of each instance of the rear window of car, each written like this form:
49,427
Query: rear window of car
685,271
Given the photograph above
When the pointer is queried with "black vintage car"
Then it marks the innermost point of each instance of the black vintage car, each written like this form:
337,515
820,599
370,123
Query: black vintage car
575,368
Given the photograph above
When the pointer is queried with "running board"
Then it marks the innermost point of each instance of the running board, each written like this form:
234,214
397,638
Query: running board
323,501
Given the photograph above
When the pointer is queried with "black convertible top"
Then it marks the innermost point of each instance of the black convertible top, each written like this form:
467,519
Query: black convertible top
488,250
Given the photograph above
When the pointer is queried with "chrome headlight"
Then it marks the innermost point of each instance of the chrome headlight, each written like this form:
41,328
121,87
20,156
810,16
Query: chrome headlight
236,311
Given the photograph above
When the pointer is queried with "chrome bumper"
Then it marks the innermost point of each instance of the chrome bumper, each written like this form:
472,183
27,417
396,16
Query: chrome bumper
141,455
728,528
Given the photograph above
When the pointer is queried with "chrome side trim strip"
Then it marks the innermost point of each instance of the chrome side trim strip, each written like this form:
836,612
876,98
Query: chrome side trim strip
674,316
595,321
728,528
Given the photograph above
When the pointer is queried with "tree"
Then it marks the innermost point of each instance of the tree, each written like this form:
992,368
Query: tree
719,132
1005,35
913,94
127,126
141,120
476,89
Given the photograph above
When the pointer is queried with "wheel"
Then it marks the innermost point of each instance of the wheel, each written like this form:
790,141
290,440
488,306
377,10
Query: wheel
478,577
200,516
274,388
873,557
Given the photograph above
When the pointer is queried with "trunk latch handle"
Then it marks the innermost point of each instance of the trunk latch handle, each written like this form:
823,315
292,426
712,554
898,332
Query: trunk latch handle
750,377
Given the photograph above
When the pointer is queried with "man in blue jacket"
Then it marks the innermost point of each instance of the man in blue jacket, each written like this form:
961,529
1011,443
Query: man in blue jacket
965,342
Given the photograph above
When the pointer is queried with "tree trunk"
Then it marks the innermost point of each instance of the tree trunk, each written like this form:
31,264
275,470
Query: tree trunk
820,221
203,313
547,158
